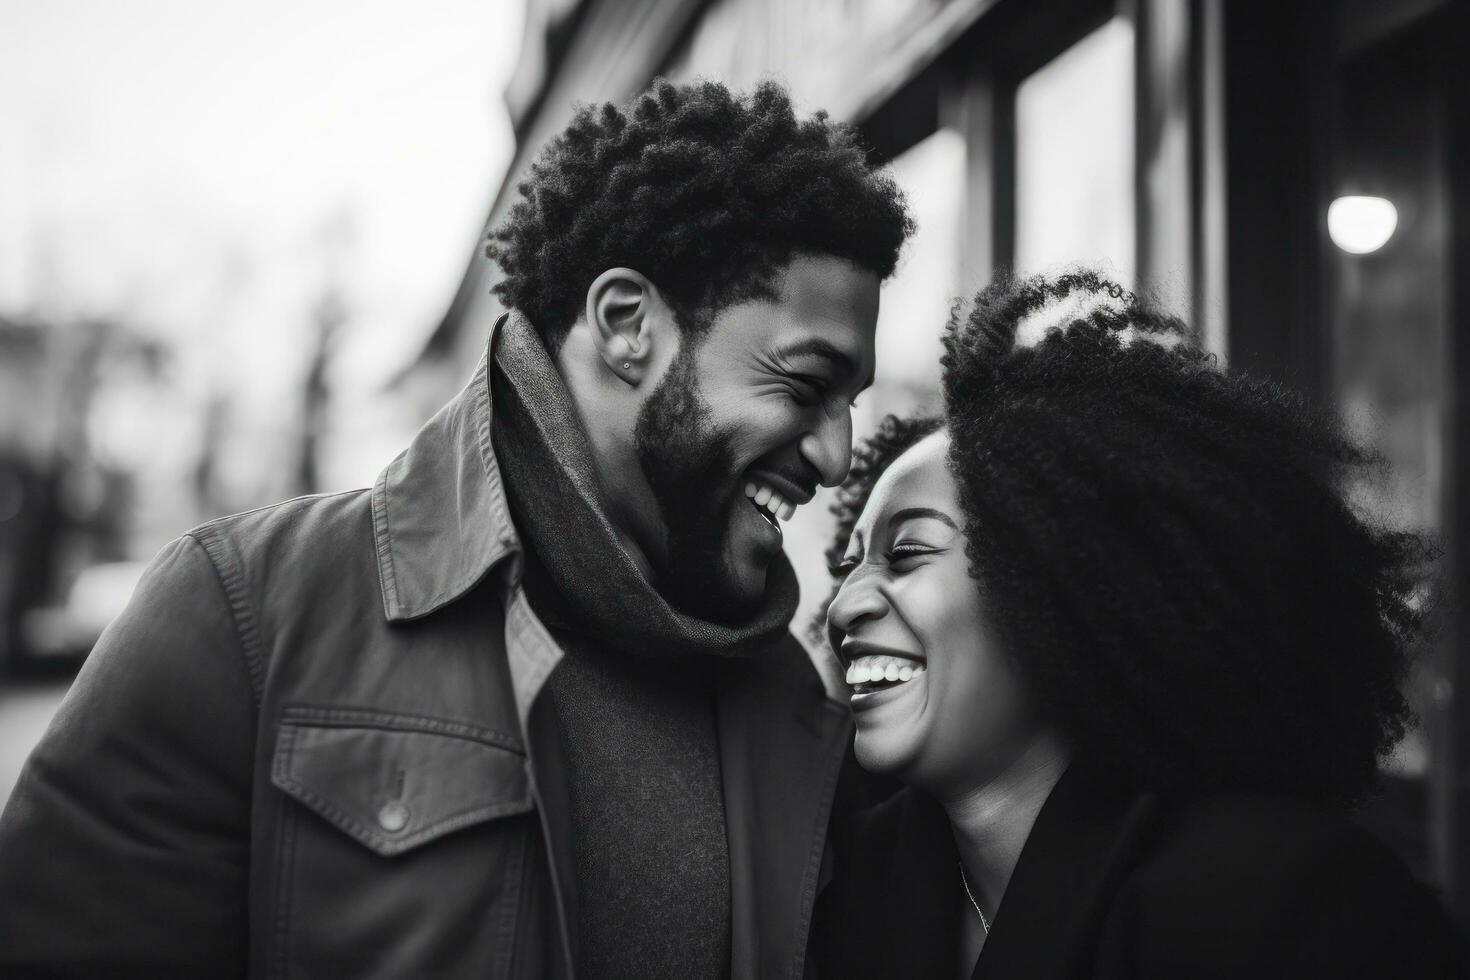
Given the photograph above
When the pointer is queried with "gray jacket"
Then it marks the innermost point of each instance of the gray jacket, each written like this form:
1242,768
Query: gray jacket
314,746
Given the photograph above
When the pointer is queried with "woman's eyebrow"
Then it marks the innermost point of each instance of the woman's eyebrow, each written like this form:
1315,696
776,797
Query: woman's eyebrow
909,513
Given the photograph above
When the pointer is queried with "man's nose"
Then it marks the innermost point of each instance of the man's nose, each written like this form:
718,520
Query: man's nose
828,447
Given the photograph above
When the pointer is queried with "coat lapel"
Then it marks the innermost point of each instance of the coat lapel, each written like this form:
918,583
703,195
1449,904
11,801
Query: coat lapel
781,746
1087,837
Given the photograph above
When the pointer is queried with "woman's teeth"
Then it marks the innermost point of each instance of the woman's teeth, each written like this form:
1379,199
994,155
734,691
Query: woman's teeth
875,669
770,501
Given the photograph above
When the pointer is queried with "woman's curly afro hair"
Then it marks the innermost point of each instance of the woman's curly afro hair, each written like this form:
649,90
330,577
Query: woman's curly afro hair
705,192
1166,550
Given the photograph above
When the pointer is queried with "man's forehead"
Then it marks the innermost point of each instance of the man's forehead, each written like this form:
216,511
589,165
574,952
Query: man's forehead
821,309
828,283
792,334
829,310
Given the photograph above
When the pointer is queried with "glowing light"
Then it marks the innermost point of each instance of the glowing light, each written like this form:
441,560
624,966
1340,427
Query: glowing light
1361,224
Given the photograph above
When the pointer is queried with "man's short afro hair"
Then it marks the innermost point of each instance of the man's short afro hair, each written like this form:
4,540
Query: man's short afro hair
705,192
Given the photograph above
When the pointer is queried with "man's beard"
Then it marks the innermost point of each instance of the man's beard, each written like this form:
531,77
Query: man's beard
685,459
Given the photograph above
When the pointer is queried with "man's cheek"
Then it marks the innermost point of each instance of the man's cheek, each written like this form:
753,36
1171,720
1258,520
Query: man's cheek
754,443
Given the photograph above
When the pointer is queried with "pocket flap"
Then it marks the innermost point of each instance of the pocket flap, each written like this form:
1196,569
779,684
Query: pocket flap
392,786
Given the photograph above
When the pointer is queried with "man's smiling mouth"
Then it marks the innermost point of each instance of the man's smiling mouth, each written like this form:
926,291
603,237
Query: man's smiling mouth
769,503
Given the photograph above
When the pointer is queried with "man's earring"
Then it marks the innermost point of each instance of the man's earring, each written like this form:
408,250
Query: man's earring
627,366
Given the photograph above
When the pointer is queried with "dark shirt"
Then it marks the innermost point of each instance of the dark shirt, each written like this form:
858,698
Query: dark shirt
1113,884
648,814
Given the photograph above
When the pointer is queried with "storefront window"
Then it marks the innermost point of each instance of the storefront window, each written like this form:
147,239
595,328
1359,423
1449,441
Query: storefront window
1075,157
1389,307
917,300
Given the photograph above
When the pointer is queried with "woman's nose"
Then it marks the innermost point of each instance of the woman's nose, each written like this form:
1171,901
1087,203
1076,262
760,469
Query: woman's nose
858,600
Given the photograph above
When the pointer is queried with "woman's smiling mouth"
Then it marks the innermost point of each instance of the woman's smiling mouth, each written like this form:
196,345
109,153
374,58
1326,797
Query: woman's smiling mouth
872,669
876,673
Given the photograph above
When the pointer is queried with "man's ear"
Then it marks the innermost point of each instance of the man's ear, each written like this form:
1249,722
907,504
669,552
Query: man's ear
620,304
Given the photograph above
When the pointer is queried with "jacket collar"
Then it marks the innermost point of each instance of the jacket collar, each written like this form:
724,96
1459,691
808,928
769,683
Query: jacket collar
440,518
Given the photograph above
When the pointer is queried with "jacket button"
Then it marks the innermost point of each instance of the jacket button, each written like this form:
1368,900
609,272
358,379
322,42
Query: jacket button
393,817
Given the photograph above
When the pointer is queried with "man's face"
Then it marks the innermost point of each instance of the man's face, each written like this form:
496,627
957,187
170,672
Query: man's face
752,415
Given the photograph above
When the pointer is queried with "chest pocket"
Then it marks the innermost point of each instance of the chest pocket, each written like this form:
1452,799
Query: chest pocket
406,850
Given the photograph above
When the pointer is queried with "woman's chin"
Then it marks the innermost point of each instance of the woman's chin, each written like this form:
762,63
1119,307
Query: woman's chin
888,725
884,753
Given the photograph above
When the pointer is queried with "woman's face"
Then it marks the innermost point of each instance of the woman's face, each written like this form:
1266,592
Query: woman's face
949,711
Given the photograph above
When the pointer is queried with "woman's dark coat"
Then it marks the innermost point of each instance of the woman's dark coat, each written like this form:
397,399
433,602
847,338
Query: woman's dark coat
1115,885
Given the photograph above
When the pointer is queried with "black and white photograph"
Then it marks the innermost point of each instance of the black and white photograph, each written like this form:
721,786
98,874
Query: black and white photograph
734,489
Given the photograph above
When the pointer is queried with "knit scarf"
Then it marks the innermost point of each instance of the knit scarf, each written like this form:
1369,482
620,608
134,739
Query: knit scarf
582,580
634,697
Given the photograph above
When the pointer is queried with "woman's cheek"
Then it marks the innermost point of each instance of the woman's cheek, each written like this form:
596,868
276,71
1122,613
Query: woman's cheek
973,698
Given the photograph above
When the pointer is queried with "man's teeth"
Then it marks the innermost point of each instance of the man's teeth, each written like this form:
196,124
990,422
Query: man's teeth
770,501
866,670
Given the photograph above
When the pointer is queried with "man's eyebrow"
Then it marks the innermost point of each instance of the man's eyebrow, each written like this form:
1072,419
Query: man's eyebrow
909,513
818,347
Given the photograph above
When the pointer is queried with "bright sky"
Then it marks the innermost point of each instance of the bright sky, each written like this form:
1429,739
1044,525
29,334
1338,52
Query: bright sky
203,169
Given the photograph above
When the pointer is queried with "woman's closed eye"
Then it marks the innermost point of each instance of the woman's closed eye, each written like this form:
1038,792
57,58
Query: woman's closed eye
905,555
901,557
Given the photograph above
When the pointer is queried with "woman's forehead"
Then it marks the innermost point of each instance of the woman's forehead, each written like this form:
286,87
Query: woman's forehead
919,477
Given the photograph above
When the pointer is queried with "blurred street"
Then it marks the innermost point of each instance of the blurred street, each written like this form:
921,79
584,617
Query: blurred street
286,213
26,708
242,251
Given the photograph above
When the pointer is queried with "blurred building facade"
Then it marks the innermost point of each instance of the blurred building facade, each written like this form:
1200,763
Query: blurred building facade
67,496
114,437
1193,148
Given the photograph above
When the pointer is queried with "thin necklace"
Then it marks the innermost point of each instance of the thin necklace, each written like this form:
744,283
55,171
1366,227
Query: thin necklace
984,923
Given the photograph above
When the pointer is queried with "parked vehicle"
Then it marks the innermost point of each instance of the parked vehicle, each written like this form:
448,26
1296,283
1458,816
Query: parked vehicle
70,630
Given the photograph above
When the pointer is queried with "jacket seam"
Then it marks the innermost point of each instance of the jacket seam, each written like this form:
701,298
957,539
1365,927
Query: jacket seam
814,862
388,579
487,453
507,933
211,525
299,714
231,579
285,862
